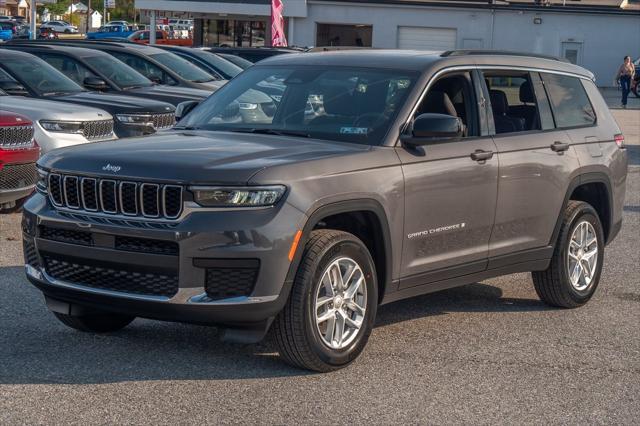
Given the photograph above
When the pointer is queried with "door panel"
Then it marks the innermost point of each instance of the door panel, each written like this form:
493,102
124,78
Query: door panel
449,207
531,189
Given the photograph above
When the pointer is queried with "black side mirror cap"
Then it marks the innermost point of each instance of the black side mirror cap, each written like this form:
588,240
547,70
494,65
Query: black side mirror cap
95,83
430,127
185,108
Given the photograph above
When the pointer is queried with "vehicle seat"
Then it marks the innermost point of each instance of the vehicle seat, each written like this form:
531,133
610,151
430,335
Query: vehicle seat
339,106
437,102
527,111
503,122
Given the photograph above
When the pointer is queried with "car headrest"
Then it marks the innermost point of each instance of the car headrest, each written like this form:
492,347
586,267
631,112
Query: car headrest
499,102
526,93
338,100
438,102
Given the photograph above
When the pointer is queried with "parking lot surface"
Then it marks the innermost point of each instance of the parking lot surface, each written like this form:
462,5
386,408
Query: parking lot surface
488,352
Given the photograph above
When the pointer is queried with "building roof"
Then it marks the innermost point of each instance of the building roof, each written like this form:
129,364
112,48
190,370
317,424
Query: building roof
575,6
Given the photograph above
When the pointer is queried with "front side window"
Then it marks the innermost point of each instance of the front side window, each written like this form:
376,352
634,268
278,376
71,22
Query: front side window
146,68
119,73
39,76
569,101
452,95
513,101
69,67
336,103
183,68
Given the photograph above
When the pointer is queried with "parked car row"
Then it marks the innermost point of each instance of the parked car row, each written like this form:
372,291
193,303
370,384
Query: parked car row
74,92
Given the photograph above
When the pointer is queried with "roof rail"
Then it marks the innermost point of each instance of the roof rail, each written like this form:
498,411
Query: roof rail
466,52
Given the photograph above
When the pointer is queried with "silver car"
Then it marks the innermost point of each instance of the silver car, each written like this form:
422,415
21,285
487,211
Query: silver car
61,124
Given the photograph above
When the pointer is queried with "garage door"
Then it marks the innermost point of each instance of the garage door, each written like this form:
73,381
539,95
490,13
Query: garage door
423,38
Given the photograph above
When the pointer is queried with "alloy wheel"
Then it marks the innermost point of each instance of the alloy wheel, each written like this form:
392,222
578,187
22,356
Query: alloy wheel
582,256
340,303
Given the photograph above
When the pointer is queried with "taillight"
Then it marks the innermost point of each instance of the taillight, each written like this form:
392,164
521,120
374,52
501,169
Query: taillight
619,139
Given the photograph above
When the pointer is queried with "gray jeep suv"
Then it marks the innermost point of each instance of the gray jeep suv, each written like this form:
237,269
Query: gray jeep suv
315,187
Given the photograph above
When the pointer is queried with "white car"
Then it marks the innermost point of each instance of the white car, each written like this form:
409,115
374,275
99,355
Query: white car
60,27
60,124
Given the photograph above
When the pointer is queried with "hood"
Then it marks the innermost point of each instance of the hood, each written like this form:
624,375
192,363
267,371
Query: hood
193,157
170,94
115,104
40,109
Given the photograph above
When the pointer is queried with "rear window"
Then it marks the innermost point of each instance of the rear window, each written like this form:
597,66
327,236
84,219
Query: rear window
569,101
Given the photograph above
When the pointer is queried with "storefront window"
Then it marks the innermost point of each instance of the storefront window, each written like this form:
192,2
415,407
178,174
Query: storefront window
233,33
343,35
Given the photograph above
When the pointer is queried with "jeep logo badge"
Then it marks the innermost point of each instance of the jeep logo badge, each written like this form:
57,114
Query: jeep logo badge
110,168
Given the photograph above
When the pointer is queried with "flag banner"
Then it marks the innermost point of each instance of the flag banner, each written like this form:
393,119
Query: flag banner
277,24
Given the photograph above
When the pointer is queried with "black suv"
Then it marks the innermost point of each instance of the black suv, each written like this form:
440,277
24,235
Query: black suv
412,173
157,65
27,75
99,71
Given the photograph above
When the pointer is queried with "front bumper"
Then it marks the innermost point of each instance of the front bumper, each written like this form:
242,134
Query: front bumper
205,241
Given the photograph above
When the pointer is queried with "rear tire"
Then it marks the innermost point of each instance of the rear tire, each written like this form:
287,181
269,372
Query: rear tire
571,278
324,327
95,323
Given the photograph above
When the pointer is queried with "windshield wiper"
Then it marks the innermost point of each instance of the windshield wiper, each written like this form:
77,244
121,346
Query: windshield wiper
277,132
186,128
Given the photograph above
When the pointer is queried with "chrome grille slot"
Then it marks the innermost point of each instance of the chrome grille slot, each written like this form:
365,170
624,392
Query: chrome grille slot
55,190
16,137
89,194
115,197
129,198
99,129
163,121
108,196
150,199
71,193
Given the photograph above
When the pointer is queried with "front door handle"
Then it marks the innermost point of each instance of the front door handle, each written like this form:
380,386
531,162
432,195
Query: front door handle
559,147
481,155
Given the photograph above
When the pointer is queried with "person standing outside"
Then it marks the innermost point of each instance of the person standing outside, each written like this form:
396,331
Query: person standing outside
625,74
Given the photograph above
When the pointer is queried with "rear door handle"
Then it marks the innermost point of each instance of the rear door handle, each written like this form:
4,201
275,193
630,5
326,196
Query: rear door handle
559,146
481,155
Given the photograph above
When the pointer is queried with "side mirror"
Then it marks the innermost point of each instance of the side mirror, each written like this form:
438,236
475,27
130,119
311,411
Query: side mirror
430,127
185,108
13,88
95,83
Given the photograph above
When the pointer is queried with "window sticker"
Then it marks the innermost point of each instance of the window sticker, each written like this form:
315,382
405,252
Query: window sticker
354,130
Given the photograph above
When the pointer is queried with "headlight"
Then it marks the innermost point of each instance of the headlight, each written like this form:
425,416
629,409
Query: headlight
247,105
144,119
62,126
238,196
43,181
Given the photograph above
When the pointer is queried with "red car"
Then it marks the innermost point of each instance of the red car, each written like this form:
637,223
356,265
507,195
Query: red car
18,155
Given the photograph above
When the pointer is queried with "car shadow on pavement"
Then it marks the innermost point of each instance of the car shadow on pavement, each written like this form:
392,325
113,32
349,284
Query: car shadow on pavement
467,298
633,152
36,349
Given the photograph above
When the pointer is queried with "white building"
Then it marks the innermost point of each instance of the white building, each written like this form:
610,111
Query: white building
593,33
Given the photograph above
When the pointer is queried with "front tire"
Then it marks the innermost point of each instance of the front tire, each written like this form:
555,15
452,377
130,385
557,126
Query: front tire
95,323
574,272
330,313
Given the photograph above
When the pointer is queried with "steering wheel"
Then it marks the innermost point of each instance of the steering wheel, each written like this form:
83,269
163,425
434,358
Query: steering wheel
369,118
43,85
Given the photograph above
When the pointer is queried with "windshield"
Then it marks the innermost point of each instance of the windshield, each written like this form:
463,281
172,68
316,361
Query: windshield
335,103
182,67
39,76
116,71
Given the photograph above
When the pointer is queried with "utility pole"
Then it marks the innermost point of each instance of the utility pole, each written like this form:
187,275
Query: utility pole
88,16
32,24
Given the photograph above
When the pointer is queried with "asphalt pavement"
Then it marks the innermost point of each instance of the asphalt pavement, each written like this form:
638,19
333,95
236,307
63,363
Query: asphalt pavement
488,352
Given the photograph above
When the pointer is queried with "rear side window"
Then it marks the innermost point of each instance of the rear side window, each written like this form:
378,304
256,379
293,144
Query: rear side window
569,101
513,99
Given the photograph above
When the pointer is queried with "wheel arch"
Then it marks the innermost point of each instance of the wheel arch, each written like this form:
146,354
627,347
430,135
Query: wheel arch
382,254
594,188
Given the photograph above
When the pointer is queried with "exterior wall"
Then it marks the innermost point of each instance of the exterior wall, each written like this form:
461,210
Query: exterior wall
605,38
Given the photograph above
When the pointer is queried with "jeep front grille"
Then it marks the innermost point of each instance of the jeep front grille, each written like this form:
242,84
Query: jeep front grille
100,129
116,197
18,176
16,137
163,121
